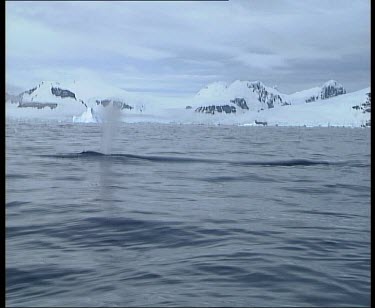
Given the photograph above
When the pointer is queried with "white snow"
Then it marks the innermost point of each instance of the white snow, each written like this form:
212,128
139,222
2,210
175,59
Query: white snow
336,111
332,83
220,93
301,96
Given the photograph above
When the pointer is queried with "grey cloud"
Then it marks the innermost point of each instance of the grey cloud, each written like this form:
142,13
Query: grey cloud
184,45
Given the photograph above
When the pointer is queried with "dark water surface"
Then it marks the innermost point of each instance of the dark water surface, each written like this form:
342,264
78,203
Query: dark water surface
187,215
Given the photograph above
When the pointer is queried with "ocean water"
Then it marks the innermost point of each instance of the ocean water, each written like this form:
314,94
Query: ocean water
187,215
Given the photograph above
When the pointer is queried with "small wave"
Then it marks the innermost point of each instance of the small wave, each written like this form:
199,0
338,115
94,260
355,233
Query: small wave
176,159
94,154
16,176
16,203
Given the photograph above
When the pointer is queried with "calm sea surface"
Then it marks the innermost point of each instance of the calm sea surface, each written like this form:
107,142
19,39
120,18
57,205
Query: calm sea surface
187,215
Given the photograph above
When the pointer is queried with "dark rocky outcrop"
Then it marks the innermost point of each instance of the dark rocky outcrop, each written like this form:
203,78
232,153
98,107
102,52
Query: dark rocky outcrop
212,109
268,98
312,99
332,90
240,102
62,93
122,105
116,103
30,91
37,105
366,106
83,103
26,92
103,102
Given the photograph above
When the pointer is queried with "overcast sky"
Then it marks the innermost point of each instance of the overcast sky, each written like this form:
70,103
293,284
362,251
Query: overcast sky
178,47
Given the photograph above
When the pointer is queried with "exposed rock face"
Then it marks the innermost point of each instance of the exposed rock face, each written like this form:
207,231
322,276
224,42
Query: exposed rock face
37,105
366,106
83,103
212,109
18,98
312,99
240,102
116,103
332,88
30,91
103,102
62,93
266,97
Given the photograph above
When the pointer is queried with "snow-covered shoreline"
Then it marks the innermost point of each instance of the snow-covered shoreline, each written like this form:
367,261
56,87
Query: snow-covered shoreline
241,103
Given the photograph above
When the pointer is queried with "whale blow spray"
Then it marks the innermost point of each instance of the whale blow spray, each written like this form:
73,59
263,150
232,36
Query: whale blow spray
110,123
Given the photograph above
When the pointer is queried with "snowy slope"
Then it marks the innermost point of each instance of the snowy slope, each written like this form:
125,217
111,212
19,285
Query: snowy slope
236,103
213,90
335,111
328,90
344,110
302,96
256,95
50,100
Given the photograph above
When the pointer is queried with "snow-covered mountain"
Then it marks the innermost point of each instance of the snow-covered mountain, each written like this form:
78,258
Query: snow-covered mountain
329,89
351,109
255,96
67,100
257,104
238,96
47,99
239,103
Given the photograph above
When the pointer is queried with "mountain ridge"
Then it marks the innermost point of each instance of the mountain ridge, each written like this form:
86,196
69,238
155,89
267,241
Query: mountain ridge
235,102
